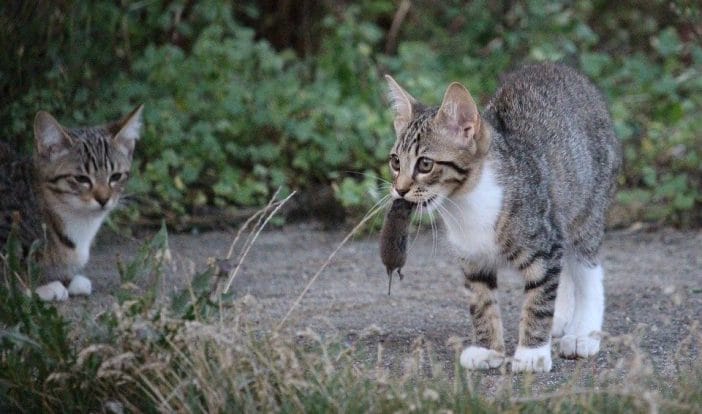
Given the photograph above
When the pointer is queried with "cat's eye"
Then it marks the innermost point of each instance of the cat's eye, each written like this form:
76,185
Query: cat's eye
424,165
395,162
82,179
116,177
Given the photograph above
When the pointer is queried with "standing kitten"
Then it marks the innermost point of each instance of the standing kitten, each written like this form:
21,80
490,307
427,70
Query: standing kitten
64,193
525,185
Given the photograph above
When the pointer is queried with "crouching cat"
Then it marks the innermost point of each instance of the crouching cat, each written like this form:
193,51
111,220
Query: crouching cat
526,184
63,193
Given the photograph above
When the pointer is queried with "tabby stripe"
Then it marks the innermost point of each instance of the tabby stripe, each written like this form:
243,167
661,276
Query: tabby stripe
535,340
62,237
543,313
57,190
551,289
513,256
540,254
453,165
86,162
554,271
551,296
479,311
106,155
433,180
486,277
533,284
455,180
58,178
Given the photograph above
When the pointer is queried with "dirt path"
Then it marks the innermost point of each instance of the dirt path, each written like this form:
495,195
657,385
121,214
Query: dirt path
653,284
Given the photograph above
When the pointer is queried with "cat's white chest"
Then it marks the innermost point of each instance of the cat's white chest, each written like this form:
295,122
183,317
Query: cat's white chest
471,219
81,230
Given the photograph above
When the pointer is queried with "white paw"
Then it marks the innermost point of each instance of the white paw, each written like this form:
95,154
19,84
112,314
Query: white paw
559,326
579,346
477,357
532,359
52,291
80,285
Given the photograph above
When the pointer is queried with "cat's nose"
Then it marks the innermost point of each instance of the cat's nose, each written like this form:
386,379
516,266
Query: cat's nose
102,196
402,191
102,200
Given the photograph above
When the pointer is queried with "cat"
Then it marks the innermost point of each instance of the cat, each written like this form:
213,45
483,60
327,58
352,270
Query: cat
524,185
63,193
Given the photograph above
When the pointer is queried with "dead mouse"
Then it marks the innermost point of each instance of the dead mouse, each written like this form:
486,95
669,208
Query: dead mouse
393,237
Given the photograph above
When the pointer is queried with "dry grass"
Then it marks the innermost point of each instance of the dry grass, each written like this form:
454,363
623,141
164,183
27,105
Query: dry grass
204,352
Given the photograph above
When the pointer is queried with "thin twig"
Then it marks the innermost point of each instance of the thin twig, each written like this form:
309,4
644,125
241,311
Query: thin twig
234,272
400,16
249,220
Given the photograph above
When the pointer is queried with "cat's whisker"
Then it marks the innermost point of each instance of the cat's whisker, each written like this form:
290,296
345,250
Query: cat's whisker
447,214
381,204
453,203
376,177
434,232
449,219
416,235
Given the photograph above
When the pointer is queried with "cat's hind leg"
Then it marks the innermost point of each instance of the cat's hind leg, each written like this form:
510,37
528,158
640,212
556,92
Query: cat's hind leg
565,304
488,349
80,286
581,338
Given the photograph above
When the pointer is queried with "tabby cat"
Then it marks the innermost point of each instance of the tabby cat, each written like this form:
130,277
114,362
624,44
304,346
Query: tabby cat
63,193
524,185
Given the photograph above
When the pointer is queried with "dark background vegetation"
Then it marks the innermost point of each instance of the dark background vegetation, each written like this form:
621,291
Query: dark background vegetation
248,96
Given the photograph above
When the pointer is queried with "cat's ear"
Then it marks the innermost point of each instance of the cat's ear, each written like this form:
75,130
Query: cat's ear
458,116
126,131
51,138
402,104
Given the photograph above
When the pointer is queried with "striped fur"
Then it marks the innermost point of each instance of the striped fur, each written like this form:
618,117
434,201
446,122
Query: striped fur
63,194
525,185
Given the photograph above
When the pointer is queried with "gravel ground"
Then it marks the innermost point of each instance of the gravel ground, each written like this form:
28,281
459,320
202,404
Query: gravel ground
653,282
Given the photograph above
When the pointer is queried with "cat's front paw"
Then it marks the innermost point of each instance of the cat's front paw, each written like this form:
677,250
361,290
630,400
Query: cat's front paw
52,291
532,359
477,357
80,285
585,346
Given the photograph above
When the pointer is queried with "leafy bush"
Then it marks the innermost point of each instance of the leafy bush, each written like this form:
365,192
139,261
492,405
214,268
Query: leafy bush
229,118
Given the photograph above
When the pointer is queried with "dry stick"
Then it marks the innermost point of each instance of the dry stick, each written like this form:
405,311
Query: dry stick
325,264
249,220
260,219
234,272
395,26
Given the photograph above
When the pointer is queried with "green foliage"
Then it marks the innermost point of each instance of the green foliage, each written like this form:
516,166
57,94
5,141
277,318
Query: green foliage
229,118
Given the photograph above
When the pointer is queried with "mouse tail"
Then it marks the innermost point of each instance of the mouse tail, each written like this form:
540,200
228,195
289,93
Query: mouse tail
389,280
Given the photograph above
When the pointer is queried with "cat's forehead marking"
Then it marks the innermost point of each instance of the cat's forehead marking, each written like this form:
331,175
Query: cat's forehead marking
417,128
95,147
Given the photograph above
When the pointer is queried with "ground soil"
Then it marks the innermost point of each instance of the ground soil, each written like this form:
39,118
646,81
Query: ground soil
653,284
